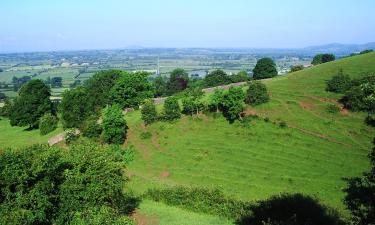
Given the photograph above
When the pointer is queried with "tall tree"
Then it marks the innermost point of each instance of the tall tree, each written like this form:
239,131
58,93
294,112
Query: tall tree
114,125
233,104
178,81
216,78
149,113
265,68
31,104
217,98
172,109
74,107
160,86
131,90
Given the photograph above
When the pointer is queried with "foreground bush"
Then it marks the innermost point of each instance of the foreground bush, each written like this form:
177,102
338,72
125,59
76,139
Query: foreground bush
339,83
47,124
257,93
47,185
114,125
200,200
288,209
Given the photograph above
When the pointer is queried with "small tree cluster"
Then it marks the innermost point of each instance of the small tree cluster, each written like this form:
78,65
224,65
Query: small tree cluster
192,102
265,68
257,93
323,58
172,109
217,78
361,96
114,125
339,83
296,68
91,127
149,113
178,81
233,104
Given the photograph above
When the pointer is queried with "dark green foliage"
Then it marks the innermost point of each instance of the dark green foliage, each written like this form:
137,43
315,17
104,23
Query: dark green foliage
370,120
360,195
149,113
265,68
6,109
240,77
3,97
131,90
339,83
200,200
71,135
322,58
233,104
46,185
172,109
18,82
282,124
361,96
216,99
192,103
56,82
291,209
114,125
296,68
332,108
47,124
178,81
76,83
31,104
216,78
366,51
74,107
160,87
98,88
91,127
257,93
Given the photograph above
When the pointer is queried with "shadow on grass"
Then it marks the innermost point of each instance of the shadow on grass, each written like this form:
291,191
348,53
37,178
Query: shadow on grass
291,209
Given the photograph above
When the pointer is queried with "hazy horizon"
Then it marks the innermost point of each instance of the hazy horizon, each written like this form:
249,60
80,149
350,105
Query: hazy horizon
88,25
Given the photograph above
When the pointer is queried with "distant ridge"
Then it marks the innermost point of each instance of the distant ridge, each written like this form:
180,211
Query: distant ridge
339,49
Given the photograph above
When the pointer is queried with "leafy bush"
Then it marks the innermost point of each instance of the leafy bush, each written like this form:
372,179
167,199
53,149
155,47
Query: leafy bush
370,120
339,83
71,135
216,99
149,113
361,96
322,58
233,104
200,200
6,109
257,93
291,209
216,78
296,68
47,124
114,125
178,81
265,68
172,109
91,128
241,76
332,108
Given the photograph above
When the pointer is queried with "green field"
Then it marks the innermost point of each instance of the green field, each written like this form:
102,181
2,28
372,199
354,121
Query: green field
254,160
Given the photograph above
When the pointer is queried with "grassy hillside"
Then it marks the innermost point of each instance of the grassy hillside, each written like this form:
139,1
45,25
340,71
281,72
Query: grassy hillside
257,159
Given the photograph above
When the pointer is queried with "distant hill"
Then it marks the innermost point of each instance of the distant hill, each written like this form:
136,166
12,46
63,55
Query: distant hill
339,49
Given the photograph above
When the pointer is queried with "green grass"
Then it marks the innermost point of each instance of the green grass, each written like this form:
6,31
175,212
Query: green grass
260,159
159,213
19,137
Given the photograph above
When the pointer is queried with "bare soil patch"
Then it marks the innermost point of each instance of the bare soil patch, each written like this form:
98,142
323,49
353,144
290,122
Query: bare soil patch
142,219
164,174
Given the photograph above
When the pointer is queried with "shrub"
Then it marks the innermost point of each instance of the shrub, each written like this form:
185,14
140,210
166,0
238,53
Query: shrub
282,124
91,128
233,104
71,135
257,93
291,209
47,124
361,96
200,200
370,120
114,125
332,108
322,58
296,68
339,83
216,78
149,113
178,81
172,109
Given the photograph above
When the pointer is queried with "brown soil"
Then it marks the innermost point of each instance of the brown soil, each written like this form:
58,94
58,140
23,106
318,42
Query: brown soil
306,105
142,219
344,111
165,174
250,112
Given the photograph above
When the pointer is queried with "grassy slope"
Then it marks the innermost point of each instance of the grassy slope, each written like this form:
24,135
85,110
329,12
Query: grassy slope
18,136
311,156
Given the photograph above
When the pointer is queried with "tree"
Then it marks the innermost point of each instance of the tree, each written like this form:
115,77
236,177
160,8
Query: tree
76,83
217,98
18,82
114,125
339,83
131,90
74,107
31,104
91,128
366,51
192,103
47,124
98,88
56,82
296,68
232,104
257,93
322,58
160,86
361,96
178,81
3,97
7,108
241,76
216,78
172,109
360,195
149,113
265,68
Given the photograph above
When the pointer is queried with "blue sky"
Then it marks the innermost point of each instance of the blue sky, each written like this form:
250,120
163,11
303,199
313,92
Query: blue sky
36,25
